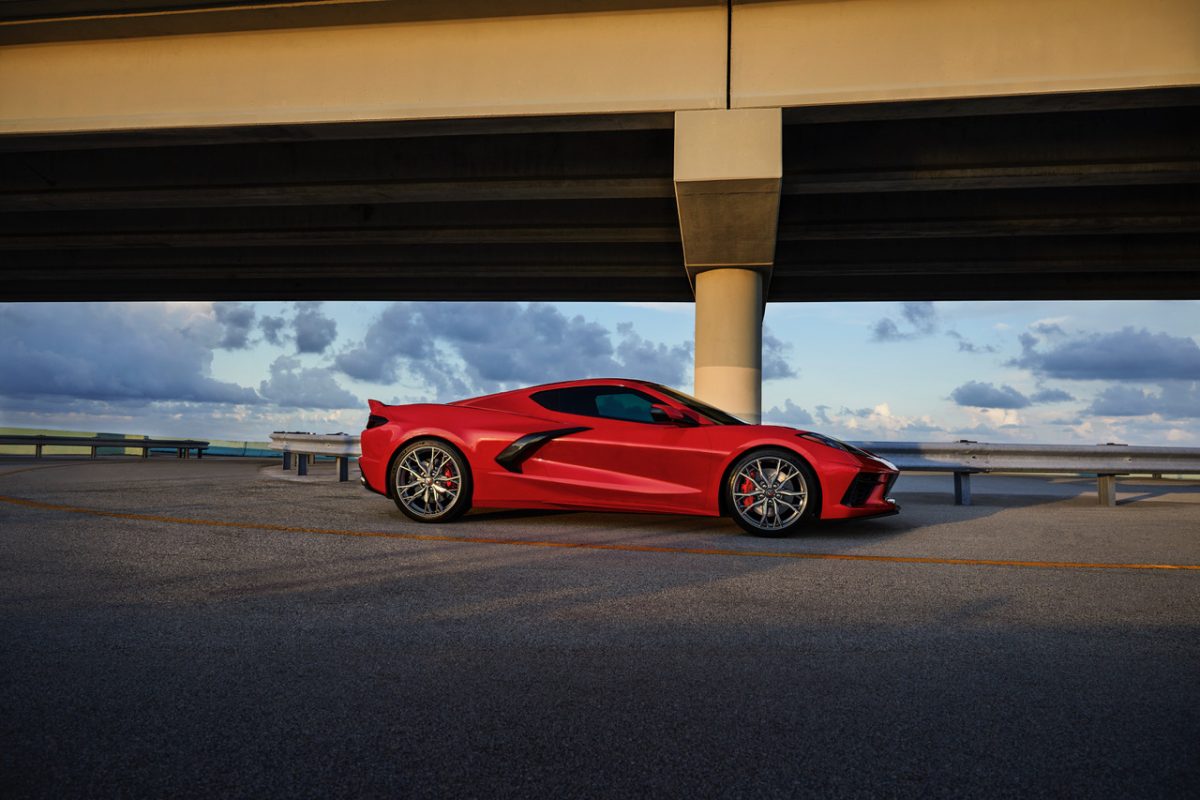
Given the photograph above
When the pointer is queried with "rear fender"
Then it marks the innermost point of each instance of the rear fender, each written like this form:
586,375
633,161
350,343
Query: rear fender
405,443
478,434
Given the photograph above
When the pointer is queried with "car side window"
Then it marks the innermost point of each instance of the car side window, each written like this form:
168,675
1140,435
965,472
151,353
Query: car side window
578,400
609,402
631,406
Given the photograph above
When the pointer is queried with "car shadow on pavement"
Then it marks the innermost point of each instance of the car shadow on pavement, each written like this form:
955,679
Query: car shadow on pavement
918,510
516,513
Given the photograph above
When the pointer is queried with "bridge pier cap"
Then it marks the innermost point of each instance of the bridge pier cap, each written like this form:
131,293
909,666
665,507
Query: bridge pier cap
728,177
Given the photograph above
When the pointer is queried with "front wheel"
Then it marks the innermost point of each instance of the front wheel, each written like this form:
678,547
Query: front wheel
771,493
431,482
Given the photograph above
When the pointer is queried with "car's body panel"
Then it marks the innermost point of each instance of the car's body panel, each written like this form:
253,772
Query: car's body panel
555,459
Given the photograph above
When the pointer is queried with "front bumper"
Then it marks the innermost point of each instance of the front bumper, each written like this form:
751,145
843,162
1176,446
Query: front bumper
865,494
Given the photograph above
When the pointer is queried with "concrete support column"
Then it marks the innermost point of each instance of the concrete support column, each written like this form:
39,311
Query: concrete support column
728,177
729,340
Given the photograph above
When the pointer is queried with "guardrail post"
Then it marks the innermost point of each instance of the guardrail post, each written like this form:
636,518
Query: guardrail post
287,460
962,488
301,464
37,451
343,469
1106,486
94,448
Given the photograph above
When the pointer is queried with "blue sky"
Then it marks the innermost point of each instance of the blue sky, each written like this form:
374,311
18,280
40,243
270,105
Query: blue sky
1053,372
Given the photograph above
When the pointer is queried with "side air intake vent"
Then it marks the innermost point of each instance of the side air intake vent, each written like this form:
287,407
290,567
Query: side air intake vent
515,454
862,486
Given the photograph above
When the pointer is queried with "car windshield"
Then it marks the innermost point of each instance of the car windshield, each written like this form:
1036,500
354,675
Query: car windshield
710,413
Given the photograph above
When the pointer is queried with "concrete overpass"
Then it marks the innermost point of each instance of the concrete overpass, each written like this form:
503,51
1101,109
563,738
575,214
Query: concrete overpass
734,152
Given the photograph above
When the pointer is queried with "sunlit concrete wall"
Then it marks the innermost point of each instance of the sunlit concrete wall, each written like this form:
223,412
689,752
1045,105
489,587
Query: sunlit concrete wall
845,51
465,58
588,61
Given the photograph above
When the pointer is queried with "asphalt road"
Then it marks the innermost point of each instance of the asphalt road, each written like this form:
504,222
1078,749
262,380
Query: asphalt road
205,628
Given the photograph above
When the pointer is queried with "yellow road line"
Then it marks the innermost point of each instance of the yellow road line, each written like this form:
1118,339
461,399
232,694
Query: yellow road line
630,548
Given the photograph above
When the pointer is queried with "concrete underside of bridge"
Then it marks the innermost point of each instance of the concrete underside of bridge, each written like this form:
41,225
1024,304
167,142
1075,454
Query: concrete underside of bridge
1073,197
865,150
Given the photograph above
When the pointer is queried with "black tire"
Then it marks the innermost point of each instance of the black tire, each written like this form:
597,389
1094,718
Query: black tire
430,481
762,504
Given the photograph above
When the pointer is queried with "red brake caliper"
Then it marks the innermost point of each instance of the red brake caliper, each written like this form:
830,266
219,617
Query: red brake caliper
747,487
449,481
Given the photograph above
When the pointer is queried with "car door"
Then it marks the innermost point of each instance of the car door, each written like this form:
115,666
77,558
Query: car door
623,458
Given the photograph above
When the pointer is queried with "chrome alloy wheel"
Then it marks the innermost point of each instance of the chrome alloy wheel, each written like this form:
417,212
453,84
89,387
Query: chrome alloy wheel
428,481
770,494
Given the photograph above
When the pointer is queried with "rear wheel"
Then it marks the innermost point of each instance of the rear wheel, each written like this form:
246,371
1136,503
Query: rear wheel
431,482
771,493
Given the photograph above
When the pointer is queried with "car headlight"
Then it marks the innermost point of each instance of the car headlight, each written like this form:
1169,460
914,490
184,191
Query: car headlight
838,444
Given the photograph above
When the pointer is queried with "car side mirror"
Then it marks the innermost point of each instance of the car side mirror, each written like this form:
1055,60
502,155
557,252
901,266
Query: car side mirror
667,414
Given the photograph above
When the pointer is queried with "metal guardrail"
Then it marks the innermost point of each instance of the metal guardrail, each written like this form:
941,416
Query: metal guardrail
963,459
341,446
182,447
1106,462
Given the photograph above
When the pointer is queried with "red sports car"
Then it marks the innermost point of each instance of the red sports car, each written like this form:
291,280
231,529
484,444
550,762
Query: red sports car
611,445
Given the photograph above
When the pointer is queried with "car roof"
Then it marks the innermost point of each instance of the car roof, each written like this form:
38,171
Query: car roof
529,390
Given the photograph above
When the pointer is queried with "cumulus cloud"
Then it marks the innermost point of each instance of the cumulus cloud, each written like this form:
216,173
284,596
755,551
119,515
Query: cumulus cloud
1048,328
862,424
314,331
917,319
1129,354
236,321
919,428
920,315
113,352
395,336
272,329
1175,400
640,357
986,395
881,423
459,349
886,330
965,345
775,353
304,325
787,414
293,386
1050,396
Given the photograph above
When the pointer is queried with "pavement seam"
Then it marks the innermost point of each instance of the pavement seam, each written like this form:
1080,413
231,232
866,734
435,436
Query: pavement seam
631,548
34,469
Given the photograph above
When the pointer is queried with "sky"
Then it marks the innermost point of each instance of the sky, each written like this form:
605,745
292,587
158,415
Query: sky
1044,372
